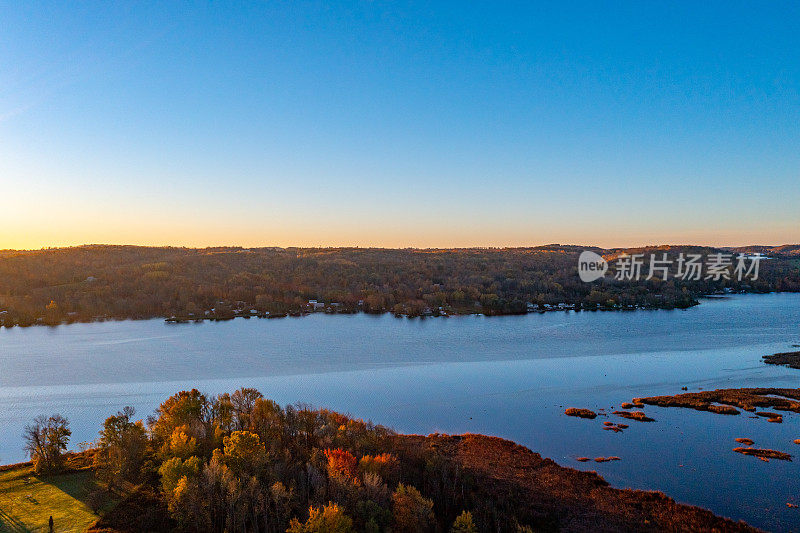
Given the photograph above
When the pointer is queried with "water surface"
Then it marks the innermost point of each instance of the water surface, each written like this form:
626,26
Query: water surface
505,376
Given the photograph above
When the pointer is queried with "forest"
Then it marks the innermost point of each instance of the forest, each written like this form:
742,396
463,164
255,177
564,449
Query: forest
97,282
241,462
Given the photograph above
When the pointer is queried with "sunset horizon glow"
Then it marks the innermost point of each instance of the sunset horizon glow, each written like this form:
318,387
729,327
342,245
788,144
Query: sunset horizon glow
399,125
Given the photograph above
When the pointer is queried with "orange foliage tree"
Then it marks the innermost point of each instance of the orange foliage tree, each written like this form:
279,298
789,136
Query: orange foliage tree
341,463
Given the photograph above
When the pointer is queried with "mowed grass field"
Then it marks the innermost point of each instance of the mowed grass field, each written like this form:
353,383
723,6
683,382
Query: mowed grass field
28,501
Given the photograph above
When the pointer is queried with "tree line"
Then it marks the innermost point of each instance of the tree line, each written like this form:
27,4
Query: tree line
97,282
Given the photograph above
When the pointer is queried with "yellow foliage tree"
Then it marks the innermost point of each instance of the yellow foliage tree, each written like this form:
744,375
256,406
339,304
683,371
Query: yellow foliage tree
464,524
413,513
329,519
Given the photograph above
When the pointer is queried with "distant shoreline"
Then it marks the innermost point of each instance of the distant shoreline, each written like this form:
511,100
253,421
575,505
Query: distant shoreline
187,320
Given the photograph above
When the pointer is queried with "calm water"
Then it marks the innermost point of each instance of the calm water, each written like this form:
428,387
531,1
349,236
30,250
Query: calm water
507,376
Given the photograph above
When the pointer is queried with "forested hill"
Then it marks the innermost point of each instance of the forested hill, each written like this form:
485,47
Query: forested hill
91,282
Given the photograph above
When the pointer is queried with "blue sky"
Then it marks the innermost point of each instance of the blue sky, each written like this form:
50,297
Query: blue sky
399,124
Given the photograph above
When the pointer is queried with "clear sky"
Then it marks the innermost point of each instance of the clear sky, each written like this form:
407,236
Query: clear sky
399,124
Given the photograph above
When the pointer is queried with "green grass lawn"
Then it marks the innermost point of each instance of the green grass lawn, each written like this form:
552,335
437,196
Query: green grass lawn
28,501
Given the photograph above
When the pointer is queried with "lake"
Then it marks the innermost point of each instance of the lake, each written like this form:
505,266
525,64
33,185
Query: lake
507,376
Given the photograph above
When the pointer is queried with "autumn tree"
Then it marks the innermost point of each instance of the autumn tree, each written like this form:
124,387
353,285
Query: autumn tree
330,519
179,482
278,504
181,443
188,412
341,464
385,465
121,448
464,524
222,412
243,452
52,315
413,513
46,440
243,402
268,422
